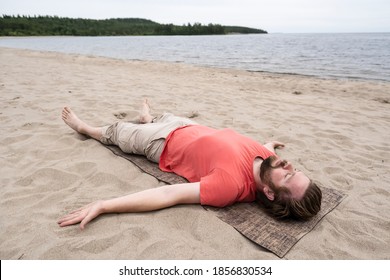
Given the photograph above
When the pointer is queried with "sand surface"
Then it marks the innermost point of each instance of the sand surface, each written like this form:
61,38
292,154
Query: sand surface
337,131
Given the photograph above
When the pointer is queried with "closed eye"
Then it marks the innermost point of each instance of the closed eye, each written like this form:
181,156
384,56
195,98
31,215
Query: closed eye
289,176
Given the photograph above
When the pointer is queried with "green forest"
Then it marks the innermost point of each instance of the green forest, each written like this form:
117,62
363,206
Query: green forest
53,26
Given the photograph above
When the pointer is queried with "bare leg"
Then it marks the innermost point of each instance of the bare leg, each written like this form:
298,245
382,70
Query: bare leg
145,116
71,119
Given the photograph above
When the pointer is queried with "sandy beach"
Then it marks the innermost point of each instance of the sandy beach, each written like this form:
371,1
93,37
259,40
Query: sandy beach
336,131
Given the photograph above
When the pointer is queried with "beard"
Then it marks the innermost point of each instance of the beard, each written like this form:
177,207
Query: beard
266,168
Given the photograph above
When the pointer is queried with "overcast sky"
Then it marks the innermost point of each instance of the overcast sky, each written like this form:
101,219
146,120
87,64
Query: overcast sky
271,15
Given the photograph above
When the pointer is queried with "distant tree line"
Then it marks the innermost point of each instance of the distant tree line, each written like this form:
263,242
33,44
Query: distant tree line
53,25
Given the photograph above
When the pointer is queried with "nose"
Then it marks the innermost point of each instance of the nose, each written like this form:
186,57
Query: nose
288,166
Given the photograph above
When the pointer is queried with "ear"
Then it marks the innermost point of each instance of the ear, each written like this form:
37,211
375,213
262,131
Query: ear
269,193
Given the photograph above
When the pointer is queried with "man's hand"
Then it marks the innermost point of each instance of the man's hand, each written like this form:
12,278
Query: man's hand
274,145
83,215
277,145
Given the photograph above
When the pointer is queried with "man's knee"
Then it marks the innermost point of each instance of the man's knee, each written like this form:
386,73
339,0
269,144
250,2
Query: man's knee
164,118
171,118
109,134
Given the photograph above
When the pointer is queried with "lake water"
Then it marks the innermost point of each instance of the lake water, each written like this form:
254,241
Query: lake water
351,56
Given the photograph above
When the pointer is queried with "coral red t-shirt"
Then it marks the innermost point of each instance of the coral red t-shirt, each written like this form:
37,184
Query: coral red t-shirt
221,160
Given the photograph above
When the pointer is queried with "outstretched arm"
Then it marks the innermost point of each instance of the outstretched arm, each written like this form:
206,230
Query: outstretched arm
148,200
274,145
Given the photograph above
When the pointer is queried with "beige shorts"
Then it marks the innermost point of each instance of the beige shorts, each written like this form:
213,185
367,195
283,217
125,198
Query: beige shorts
143,139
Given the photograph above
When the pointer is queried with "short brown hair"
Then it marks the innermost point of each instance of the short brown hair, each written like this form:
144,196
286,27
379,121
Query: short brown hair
284,206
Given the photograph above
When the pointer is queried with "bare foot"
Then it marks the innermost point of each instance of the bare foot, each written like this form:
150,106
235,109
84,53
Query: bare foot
71,119
145,116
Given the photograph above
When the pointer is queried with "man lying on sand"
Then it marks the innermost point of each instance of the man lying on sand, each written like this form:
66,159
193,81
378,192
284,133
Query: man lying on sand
222,166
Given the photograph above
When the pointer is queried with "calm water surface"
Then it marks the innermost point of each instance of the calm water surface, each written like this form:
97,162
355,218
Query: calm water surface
354,56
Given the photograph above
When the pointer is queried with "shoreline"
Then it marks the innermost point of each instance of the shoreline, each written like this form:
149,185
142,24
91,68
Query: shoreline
334,130
212,68
322,62
320,77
